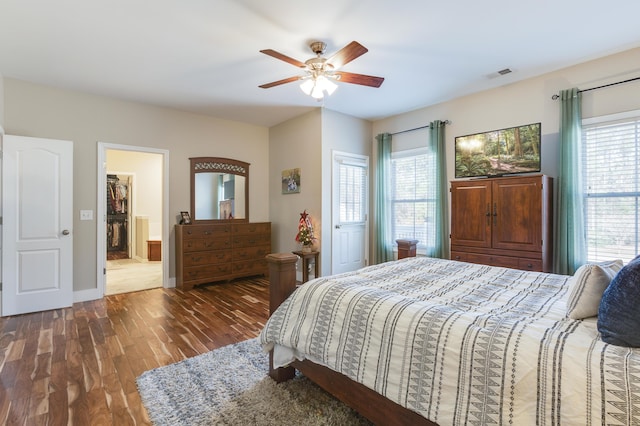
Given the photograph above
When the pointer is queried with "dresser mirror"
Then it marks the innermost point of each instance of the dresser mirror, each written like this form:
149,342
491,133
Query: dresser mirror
219,189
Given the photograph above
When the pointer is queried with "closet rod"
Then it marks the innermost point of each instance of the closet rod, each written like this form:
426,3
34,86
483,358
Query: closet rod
418,128
554,97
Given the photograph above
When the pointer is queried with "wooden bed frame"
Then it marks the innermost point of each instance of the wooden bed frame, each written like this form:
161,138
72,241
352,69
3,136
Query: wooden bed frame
370,404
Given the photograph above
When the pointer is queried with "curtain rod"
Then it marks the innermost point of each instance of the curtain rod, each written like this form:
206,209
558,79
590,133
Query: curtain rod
418,128
554,97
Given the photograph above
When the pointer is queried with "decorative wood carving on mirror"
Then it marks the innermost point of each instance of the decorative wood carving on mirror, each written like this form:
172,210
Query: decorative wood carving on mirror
219,190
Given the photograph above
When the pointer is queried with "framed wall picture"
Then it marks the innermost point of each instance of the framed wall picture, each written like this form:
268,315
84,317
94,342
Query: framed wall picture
291,181
186,218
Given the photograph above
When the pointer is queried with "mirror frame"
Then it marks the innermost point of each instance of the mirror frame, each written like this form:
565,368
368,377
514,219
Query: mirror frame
218,165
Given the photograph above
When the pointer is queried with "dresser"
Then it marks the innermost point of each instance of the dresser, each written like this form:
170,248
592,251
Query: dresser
503,222
217,252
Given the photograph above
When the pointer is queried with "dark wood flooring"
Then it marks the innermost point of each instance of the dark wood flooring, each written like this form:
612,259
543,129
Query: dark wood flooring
78,365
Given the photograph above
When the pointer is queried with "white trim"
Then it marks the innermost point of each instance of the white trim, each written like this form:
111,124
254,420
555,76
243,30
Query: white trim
413,152
611,117
101,212
86,295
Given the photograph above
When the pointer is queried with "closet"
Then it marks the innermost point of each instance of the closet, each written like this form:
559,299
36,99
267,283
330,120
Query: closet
118,196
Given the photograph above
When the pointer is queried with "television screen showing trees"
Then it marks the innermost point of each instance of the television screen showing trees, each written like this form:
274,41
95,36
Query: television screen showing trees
499,152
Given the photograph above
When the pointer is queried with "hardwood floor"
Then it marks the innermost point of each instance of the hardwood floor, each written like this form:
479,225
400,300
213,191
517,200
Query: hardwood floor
78,365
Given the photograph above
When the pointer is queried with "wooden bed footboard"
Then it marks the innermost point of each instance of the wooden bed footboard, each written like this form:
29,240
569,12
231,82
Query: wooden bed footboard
370,404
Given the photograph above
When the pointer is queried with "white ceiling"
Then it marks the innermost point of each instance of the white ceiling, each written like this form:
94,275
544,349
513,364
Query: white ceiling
203,55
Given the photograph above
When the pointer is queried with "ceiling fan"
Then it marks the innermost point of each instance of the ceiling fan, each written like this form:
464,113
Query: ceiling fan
322,72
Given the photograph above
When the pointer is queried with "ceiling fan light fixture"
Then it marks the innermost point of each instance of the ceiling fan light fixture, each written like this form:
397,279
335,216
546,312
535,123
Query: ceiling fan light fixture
307,86
317,86
317,92
326,85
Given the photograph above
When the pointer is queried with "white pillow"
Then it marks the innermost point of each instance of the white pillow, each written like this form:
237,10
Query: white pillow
587,286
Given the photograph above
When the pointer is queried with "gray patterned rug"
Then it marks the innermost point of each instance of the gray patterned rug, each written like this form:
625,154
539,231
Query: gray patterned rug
230,386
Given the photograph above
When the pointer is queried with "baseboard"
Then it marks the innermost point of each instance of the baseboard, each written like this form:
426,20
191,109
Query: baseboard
86,295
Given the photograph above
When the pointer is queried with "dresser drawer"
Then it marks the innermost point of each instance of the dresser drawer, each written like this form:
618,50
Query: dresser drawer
253,252
207,244
488,259
250,267
460,256
206,257
251,240
207,272
530,264
251,228
206,231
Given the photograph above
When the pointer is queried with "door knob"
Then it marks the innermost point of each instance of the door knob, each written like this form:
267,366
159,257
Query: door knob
65,232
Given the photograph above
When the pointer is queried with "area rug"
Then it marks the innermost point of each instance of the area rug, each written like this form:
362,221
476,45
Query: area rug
230,386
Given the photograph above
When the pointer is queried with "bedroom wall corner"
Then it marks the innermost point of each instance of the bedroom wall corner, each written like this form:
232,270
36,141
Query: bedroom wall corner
296,143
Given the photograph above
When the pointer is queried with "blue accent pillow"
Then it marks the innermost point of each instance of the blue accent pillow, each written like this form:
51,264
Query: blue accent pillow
619,311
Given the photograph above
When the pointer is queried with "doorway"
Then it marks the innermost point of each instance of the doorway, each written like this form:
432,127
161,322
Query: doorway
133,204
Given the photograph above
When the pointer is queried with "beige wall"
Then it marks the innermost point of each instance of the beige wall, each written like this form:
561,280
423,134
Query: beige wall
307,142
530,101
296,143
39,111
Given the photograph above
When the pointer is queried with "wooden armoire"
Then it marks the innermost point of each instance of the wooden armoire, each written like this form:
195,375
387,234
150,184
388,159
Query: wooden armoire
503,221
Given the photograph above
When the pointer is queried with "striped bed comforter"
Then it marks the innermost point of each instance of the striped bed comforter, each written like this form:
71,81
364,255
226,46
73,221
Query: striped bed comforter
461,344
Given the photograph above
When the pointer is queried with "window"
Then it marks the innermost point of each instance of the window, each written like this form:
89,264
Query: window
353,190
413,197
611,155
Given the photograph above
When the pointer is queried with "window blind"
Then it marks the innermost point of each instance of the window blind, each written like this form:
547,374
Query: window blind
611,156
353,187
413,196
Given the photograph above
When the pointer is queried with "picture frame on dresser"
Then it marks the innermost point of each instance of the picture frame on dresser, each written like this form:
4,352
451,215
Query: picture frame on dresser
185,218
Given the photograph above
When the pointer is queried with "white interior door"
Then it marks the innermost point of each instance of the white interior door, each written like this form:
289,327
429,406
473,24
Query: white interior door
350,212
37,237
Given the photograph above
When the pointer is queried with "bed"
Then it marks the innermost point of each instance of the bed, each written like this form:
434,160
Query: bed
432,341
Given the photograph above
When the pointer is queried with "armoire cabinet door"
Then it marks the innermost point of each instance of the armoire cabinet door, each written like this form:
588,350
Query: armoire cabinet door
516,214
471,213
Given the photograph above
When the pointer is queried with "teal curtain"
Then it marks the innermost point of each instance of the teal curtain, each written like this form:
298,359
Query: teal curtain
437,142
570,243
383,249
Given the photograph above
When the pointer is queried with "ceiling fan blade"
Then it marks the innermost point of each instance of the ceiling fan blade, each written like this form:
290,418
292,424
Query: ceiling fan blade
364,80
285,58
347,54
279,82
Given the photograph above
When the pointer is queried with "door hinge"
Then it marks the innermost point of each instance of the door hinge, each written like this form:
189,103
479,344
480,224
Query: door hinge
104,271
0,286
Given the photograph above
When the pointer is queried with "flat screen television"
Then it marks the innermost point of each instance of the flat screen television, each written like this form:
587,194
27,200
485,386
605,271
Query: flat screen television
501,152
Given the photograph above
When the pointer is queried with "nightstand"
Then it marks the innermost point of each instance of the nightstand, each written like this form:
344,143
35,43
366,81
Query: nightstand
306,256
406,248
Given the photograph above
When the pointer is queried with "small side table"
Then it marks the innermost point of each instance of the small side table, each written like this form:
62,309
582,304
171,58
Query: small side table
154,250
406,248
306,257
